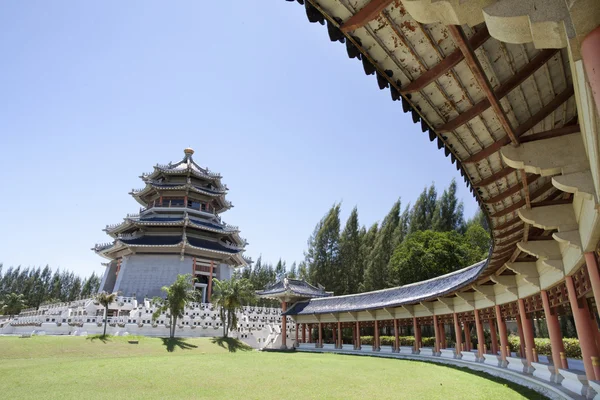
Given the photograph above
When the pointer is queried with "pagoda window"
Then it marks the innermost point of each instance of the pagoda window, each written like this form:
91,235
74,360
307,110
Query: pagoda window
194,204
203,206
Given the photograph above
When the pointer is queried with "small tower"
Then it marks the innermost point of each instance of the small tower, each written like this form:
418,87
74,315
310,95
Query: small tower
289,292
177,231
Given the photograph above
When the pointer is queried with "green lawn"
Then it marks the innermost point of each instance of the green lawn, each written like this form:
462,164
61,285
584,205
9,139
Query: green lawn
76,367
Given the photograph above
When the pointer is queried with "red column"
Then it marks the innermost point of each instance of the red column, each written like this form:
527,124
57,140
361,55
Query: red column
283,324
358,343
591,63
521,337
210,278
480,335
303,333
354,338
444,337
376,336
396,338
494,337
297,342
458,333
503,334
592,265
320,343
340,339
417,329
335,342
436,329
527,324
587,339
556,343
467,336
309,333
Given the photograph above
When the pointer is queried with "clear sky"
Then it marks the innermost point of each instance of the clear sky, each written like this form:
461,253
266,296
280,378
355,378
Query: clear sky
92,94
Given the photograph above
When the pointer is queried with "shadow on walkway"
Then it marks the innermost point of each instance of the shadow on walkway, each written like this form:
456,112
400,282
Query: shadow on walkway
170,344
102,338
230,344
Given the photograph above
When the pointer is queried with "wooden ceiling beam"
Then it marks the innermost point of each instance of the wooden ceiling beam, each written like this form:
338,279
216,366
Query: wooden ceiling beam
473,62
364,15
545,203
513,189
509,233
540,191
565,130
508,224
446,64
524,178
500,92
527,125
494,177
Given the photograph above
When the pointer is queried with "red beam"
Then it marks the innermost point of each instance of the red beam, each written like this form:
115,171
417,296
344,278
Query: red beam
446,64
527,125
501,91
565,130
494,177
509,233
541,190
477,70
508,224
512,190
364,15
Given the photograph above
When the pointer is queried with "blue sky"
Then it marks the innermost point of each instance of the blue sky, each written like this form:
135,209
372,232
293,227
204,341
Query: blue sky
92,94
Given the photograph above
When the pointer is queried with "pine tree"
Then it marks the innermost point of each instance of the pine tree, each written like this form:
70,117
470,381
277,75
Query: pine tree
325,267
376,273
448,215
351,259
303,271
421,215
293,273
280,270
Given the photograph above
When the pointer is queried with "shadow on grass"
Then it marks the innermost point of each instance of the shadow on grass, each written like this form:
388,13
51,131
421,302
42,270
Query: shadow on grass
102,338
230,344
171,343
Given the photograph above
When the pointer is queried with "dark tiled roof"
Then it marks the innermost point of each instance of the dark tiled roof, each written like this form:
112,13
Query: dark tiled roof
179,219
168,185
408,294
295,286
207,244
153,240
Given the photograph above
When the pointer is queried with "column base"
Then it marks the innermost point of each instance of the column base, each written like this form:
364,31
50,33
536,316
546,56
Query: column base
469,356
575,381
546,372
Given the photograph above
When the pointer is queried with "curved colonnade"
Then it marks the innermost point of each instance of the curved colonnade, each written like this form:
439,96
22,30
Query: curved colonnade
511,93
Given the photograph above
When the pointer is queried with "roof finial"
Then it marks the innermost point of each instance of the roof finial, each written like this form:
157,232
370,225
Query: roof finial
188,151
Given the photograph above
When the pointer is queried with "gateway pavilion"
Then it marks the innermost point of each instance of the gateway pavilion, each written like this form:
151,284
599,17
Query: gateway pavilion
177,231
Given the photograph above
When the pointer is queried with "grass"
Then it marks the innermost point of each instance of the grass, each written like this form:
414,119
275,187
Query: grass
46,367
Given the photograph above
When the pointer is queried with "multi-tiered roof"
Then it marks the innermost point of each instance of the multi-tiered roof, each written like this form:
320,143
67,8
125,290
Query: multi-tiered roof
181,207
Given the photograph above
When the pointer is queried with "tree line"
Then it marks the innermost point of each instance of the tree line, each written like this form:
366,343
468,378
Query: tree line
419,242
44,285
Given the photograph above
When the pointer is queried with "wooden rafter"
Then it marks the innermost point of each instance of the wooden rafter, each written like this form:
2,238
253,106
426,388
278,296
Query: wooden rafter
473,62
512,190
508,233
500,92
364,15
565,130
526,186
527,125
446,64
545,203
508,224
494,177
540,191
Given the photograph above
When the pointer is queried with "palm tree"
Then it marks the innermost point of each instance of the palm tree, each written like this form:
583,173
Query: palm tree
179,294
12,304
230,296
106,299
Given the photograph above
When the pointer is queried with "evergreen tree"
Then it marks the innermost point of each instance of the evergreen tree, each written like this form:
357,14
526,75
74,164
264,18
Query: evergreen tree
325,267
421,215
280,270
303,271
293,273
351,258
448,215
376,273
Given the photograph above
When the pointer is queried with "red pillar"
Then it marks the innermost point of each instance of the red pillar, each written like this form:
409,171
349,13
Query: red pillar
303,333
353,337
480,335
587,339
335,342
396,337
592,267
340,339
417,329
320,343
358,343
494,337
310,333
467,336
527,324
521,337
376,336
591,63
297,342
504,349
556,343
458,333
436,329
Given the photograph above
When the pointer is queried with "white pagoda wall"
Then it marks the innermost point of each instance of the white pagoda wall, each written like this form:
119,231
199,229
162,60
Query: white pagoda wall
109,278
146,274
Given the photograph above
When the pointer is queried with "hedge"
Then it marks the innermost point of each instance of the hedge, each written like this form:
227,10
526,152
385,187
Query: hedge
542,345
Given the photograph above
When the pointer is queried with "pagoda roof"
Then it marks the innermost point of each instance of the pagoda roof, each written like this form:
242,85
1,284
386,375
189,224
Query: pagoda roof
293,288
174,221
171,241
393,297
181,187
184,167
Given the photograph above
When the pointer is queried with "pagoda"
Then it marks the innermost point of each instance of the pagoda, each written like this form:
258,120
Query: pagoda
177,231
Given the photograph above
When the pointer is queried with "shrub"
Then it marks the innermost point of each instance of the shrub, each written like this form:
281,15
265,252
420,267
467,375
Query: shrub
543,346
